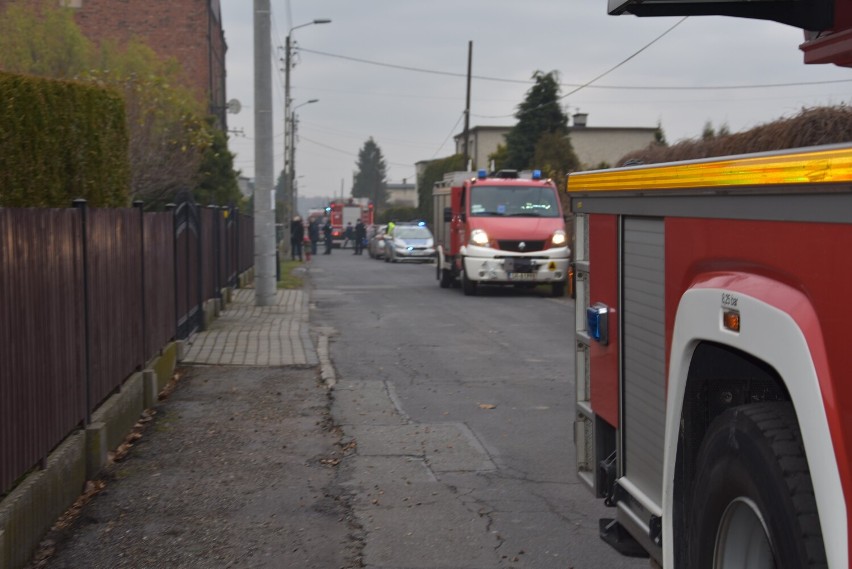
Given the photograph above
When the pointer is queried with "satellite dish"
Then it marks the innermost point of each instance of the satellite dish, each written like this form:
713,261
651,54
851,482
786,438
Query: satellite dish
234,106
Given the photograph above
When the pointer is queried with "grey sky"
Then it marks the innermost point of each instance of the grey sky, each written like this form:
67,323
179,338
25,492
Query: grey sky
412,114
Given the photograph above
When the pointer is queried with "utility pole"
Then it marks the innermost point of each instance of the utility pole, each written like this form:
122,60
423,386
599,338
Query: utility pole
287,173
291,176
467,105
288,138
264,217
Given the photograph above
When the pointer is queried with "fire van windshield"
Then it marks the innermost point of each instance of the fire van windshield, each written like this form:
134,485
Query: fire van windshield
513,201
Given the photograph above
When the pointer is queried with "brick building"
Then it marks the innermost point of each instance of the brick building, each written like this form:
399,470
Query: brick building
188,30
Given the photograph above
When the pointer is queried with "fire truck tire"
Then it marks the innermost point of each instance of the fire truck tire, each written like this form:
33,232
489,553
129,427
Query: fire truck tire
557,289
468,286
445,276
753,501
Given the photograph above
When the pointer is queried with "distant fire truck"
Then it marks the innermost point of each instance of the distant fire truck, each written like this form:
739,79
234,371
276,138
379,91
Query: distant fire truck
713,407
344,212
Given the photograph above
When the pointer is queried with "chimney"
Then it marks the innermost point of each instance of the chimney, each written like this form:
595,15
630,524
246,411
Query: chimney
580,119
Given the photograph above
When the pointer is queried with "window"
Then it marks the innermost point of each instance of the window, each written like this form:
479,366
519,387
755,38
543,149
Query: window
513,201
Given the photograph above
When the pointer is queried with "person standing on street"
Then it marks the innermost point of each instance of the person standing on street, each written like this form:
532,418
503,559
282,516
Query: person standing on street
314,234
326,231
347,235
297,236
360,237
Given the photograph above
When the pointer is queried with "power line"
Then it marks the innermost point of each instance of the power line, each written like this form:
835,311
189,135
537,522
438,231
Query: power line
346,152
604,74
461,116
634,54
581,85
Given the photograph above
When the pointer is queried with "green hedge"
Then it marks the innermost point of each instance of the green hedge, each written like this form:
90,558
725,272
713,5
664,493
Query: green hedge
61,140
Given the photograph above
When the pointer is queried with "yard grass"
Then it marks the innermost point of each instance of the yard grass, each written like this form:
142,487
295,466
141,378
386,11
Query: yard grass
288,279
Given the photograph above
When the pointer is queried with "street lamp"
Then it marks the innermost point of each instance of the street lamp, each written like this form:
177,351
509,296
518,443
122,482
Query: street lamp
292,172
288,188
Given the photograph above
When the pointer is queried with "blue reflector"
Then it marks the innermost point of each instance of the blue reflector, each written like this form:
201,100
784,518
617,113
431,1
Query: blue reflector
481,173
597,323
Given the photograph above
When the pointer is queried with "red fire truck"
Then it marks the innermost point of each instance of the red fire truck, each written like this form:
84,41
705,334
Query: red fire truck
499,230
344,212
713,411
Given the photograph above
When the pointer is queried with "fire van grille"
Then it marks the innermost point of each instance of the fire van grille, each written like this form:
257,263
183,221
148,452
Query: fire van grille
516,246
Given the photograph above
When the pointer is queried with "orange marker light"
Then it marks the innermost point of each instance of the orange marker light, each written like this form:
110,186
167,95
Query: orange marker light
731,320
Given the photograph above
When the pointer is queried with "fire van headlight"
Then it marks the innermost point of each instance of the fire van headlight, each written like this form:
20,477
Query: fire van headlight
479,237
559,238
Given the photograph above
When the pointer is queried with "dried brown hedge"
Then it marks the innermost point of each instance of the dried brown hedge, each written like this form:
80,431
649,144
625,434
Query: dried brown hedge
811,127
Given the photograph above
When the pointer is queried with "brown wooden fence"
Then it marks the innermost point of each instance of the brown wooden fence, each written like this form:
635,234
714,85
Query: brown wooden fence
88,296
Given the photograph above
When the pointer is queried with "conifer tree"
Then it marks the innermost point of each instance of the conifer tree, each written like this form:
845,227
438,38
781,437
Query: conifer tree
539,114
370,179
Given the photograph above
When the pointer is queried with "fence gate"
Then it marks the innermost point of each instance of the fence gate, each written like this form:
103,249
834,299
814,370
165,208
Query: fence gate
188,269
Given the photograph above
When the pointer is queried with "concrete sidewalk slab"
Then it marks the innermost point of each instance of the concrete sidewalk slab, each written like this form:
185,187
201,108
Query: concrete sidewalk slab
246,334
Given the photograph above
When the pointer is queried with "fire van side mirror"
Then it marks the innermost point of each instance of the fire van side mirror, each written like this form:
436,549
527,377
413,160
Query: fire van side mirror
448,214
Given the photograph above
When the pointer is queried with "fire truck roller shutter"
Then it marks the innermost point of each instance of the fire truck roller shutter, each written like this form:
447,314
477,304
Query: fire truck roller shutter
754,503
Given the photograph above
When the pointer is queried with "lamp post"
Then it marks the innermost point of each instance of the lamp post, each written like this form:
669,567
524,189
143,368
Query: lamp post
292,173
288,188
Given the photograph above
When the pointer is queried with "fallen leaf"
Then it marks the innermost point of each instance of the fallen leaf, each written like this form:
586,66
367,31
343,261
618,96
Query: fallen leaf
487,406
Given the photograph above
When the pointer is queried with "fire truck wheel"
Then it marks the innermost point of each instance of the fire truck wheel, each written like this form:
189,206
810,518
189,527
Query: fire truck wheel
557,289
468,286
445,276
753,501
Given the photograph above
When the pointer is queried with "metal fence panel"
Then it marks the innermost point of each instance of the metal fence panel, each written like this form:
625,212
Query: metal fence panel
209,253
246,243
115,298
41,335
160,323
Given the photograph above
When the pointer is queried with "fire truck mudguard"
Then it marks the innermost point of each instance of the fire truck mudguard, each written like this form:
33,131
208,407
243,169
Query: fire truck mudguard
773,315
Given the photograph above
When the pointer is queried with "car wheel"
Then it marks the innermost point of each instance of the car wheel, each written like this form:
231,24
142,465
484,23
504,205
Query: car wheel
753,502
557,289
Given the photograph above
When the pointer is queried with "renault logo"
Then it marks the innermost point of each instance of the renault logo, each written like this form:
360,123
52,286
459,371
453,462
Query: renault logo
522,245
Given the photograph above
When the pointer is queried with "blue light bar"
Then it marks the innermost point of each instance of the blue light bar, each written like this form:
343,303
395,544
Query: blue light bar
536,174
481,173
597,324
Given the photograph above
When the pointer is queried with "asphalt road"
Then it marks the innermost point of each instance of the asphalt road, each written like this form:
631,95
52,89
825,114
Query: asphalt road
460,410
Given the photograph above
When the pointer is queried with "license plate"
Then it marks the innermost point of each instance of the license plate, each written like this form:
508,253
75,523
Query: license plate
518,265
521,276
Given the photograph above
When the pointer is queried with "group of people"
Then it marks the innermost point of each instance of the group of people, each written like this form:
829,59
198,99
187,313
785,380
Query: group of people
356,235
